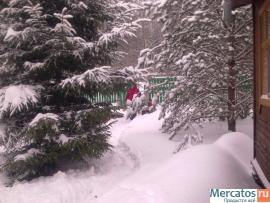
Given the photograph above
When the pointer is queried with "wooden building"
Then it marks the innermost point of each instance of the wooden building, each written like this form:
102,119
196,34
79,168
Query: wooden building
261,15
261,161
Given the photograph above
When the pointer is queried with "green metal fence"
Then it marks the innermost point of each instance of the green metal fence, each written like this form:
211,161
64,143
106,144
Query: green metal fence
163,84
160,85
112,97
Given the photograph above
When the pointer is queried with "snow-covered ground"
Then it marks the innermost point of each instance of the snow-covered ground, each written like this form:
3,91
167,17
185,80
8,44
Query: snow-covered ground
143,169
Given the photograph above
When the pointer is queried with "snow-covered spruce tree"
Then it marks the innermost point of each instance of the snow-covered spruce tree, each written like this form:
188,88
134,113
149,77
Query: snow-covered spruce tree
57,54
211,59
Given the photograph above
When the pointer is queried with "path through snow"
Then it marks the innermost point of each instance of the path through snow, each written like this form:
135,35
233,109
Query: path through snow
142,169
75,186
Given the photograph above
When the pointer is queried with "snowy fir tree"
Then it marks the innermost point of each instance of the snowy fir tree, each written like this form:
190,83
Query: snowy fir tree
211,57
55,55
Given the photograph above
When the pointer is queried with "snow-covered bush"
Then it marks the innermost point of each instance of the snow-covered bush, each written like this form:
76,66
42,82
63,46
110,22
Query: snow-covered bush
56,55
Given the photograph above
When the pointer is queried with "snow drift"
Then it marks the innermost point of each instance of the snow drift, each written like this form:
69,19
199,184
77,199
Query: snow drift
143,169
188,176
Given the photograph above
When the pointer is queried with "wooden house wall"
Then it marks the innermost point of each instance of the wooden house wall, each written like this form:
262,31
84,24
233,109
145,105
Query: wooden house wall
262,113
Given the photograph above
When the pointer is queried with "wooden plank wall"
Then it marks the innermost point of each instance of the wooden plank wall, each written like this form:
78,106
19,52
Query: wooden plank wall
262,113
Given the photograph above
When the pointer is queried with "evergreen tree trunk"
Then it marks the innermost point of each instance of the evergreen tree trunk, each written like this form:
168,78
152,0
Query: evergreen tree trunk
228,17
231,97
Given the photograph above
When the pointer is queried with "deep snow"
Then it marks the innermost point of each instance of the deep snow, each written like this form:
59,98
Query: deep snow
143,169
188,176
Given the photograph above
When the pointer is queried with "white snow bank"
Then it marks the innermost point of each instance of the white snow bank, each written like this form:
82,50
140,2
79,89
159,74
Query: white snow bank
74,186
239,146
144,138
142,169
188,175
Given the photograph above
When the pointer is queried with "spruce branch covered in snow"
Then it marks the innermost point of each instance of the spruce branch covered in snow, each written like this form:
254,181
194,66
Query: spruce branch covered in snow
15,99
56,55
212,59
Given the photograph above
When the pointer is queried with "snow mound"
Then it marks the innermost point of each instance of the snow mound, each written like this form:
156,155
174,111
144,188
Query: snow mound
74,186
188,175
144,138
239,146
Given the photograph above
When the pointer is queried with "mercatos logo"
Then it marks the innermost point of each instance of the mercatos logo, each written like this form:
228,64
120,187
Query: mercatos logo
239,195
263,195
